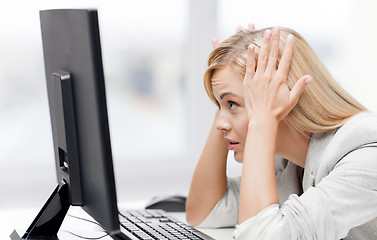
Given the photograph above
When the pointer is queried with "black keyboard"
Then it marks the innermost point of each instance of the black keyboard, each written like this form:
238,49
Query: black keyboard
157,224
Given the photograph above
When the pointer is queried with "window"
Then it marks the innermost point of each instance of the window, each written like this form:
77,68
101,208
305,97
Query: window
143,58
154,55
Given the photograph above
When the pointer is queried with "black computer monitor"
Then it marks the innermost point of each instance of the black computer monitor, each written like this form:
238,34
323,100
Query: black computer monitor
81,138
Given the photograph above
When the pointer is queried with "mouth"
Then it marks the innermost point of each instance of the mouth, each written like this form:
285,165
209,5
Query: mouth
232,145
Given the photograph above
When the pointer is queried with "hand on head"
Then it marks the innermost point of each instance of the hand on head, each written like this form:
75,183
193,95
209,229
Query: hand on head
266,91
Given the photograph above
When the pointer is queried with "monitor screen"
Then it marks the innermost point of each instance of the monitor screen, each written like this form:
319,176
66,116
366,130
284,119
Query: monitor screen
77,101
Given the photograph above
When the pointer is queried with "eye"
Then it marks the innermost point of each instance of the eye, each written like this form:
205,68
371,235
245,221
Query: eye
232,105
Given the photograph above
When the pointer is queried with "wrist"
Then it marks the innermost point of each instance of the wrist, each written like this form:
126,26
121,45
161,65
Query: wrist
263,122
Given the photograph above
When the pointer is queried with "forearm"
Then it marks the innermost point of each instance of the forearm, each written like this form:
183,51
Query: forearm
209,181
258,185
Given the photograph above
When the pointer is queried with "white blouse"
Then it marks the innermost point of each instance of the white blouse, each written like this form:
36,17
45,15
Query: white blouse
334,197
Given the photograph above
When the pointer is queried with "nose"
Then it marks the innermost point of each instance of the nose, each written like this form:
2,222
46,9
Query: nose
222,122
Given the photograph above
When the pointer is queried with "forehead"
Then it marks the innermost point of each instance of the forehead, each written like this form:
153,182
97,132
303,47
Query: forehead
225,79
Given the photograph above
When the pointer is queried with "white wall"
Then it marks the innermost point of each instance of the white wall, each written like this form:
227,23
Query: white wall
362,62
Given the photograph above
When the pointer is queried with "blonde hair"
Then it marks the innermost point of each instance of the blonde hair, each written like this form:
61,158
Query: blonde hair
323,106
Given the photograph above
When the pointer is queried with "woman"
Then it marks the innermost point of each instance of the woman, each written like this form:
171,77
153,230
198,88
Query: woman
308,149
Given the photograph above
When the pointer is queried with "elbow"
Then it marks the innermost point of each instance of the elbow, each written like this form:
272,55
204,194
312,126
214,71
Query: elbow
192,216
191,220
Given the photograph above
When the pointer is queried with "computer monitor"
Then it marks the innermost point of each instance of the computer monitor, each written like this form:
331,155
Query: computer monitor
81,138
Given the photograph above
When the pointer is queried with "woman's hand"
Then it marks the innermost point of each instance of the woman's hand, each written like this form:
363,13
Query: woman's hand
266,92
215,42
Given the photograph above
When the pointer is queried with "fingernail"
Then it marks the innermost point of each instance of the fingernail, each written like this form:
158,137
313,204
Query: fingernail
276,29
251,47
290,37
308,80
267,34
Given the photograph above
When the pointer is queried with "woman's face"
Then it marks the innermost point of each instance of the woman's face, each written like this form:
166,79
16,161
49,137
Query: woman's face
233,121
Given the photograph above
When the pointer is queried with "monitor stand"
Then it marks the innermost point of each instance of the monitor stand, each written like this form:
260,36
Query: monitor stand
48,221
68,192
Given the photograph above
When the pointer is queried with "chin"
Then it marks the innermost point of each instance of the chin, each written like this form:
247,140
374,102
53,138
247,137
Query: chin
238,158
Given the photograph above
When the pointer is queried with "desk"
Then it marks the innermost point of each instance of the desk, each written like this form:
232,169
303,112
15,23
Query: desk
20,219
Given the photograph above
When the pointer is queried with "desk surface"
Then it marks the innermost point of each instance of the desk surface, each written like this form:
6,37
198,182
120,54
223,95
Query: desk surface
20,220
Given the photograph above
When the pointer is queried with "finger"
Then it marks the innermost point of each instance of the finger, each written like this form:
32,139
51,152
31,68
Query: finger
298,88
264,51
286,58
274,49
239,28
215,43
251,26
250,62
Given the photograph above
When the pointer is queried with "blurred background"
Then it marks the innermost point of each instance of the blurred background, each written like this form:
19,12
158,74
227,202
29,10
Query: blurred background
154,56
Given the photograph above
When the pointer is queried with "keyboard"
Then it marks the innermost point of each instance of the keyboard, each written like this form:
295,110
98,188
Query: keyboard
157,224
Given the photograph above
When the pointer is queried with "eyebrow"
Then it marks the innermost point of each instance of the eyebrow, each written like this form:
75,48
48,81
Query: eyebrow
227,93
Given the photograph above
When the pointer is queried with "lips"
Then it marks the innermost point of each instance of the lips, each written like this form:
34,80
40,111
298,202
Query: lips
232,144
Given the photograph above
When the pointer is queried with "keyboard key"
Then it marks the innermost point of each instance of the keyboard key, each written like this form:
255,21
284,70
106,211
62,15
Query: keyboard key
164,220
142,235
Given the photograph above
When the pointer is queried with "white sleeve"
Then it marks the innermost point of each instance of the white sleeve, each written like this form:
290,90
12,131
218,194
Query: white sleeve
344,199
265,225
225,212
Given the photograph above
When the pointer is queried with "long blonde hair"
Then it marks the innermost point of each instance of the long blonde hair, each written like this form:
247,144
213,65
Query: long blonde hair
323,106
